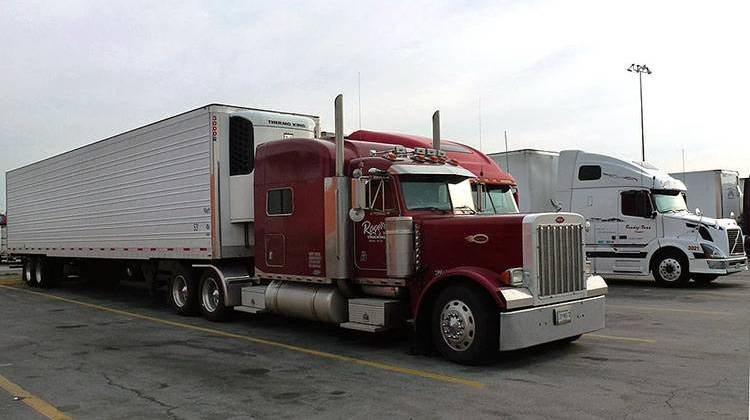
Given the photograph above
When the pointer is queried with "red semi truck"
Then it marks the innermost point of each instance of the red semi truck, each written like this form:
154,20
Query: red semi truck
367,235
495,190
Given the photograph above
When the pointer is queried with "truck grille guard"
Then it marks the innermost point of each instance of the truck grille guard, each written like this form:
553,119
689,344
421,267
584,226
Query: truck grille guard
736,245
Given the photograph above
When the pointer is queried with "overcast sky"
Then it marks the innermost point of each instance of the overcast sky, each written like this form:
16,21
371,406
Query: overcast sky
551,73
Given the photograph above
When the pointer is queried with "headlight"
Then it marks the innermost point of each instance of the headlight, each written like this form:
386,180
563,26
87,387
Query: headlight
512,277
710,251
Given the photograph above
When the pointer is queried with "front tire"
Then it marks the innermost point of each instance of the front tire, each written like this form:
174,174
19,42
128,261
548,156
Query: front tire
212,299
183,291
671,270
465,325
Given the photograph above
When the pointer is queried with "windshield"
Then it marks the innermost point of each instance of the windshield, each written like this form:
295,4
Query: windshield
437,193
669,201
498,200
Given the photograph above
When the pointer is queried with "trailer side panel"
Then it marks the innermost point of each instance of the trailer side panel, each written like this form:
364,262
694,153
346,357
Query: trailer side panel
141,194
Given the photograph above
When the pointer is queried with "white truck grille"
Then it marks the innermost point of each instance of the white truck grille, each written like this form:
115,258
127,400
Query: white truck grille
561,263
736,246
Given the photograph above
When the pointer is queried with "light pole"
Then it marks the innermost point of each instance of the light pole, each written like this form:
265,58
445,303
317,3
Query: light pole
640,69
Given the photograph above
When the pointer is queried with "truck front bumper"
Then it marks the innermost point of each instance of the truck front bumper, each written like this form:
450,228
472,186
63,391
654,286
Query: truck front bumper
543,324
718,266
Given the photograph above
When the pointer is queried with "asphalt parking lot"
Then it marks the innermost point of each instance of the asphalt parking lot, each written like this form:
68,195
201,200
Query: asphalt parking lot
91,354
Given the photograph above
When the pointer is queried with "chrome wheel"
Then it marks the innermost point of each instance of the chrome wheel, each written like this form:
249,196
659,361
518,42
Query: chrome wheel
210,294
670,269
179,290
457,325
28,272
39,272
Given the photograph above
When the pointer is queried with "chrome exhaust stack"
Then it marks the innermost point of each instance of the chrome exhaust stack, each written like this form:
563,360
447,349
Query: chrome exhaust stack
436,130
338,189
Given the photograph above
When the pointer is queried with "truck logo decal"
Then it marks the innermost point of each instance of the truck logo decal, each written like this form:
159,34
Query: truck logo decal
479,238
560,219
373,232
638,228
627,178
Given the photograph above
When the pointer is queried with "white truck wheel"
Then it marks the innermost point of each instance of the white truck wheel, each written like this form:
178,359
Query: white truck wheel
670,269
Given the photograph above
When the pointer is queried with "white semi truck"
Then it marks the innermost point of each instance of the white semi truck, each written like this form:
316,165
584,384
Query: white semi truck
716,193
639,222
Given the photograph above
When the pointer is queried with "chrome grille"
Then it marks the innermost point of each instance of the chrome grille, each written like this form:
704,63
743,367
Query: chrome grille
561,262
736,247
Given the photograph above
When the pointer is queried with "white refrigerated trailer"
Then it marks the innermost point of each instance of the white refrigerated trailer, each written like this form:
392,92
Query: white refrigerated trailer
149,203
716,193
529,167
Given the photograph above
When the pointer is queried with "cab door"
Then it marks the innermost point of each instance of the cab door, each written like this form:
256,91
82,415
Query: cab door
369,234
635,231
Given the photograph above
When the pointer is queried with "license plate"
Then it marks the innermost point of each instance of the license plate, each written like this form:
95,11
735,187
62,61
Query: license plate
562,316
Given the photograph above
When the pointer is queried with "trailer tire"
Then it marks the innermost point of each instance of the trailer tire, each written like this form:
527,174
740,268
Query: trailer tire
47,273
212,297
465,325
704,279
671,269
29,272
183,291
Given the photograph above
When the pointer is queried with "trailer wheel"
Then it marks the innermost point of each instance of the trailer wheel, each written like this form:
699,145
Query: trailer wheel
465,325
29,272
212,297
47,273
670,269
183,291
704,279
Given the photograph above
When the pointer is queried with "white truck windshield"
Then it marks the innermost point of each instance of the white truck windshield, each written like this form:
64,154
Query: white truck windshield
498,200
669,201
438,193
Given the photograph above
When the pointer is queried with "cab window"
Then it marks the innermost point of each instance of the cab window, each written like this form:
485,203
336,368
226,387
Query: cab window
380,196
279,202
636,203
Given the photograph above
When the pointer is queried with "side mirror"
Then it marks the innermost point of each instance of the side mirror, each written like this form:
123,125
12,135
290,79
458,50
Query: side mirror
654,214
359,197
698,212
359,192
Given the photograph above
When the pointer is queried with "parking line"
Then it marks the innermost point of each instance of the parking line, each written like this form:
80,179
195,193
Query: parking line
723,294
654,308
10,282
322,354
39,405
614,337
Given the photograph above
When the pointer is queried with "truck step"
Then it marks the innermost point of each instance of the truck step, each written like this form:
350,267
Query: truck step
253,299
374,314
